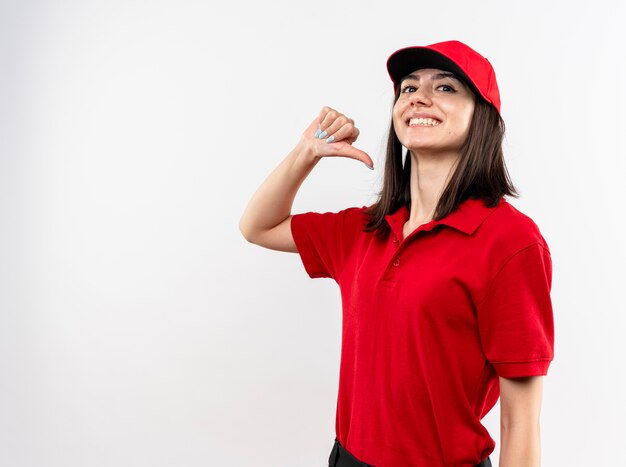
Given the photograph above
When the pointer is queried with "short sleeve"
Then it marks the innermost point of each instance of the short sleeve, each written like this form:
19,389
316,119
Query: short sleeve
325,240
515,318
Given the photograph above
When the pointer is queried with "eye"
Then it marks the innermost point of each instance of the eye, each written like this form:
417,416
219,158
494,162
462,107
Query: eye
446,88
409,88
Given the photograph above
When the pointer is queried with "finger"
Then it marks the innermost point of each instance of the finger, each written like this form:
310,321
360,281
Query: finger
312,129
343,149
322,115
348,133
328,120
336,125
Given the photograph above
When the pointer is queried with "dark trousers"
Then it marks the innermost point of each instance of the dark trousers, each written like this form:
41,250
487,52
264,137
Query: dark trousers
339,457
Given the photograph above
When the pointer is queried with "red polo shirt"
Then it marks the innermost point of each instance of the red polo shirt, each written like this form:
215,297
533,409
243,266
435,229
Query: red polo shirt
429,323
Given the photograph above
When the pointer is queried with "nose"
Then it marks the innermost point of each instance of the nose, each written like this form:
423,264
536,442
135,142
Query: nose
421,96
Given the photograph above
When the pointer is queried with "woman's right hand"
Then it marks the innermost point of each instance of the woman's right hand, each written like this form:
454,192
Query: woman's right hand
267,219
331,134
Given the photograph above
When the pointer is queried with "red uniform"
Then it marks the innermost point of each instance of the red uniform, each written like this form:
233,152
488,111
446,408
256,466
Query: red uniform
429,323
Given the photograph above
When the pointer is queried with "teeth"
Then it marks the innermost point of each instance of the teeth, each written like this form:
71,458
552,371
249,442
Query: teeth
423,122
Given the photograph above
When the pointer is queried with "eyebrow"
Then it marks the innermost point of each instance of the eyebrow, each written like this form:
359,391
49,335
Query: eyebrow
436,76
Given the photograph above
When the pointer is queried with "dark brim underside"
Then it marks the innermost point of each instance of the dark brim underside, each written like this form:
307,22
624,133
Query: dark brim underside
406,61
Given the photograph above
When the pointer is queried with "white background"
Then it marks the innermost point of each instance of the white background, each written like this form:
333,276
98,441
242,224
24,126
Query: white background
138,327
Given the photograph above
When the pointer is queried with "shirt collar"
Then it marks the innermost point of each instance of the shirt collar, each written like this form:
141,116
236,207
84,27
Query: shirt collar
466,218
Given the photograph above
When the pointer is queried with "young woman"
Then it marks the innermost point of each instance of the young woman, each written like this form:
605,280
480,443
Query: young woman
445,286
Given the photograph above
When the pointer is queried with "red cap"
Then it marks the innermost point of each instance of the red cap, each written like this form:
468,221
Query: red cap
452,56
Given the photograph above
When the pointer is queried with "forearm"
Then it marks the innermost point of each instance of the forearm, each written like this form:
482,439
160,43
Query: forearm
520,445
271,203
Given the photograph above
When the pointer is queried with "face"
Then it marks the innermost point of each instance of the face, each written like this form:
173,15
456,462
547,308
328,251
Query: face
433,112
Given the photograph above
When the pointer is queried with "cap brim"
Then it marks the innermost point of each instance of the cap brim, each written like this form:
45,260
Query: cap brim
405,61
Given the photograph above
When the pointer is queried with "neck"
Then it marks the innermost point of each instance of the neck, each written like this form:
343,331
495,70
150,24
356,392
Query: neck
429,177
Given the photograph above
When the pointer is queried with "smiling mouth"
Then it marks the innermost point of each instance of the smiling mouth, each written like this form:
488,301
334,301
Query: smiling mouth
423,122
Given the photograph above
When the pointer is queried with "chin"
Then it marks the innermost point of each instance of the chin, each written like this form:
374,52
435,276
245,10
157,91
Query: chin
421,146
432,148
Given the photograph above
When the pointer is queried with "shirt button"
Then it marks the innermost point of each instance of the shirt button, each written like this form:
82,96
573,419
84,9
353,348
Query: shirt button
396,263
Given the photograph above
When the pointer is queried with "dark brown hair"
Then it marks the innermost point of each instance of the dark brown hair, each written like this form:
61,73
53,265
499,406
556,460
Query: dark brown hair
480,172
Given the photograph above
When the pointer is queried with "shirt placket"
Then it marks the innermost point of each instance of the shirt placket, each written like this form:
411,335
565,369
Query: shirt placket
393,266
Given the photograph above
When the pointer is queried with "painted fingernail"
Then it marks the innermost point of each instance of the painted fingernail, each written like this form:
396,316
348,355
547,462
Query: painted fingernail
331,139
371,167
317,133
323,134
